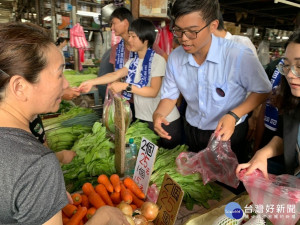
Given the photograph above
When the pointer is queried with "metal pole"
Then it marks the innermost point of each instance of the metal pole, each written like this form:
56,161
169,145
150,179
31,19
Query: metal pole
288,3
74,21
37,11
53,21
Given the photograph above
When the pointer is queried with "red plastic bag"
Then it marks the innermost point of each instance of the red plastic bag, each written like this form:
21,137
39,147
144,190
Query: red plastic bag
216,162
278,197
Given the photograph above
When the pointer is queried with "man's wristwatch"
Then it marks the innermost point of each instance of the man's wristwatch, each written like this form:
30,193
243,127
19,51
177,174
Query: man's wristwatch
129,88
234,116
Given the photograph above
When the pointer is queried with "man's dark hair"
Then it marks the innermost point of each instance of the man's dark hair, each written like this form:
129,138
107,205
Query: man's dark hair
208,9
122,13
59,41
144,29
221,22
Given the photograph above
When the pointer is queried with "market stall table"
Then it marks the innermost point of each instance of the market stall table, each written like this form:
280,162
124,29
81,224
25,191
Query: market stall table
185,214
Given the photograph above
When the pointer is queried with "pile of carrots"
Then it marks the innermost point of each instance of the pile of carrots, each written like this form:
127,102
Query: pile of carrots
110,191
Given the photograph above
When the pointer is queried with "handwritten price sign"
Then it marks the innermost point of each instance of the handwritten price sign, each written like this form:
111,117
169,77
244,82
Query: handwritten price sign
144,164
169,201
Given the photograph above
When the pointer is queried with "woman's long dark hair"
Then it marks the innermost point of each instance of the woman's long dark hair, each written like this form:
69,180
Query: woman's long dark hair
285,101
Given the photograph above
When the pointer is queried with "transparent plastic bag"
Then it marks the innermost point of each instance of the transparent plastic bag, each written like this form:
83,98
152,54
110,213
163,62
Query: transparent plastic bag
282,193
152,193
109,111
225,220
216,162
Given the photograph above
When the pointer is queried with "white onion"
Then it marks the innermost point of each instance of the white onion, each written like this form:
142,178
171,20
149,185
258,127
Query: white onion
130,220
125,208
149,210
140,220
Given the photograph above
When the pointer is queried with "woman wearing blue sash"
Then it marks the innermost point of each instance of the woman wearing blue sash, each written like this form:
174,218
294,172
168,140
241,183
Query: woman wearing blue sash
143,77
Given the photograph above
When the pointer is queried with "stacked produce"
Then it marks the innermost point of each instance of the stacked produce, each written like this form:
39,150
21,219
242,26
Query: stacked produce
125,195
94,156
75,78
65,106
63,131
195,192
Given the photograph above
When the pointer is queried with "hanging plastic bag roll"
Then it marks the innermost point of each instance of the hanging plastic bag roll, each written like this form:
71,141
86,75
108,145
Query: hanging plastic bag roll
216,162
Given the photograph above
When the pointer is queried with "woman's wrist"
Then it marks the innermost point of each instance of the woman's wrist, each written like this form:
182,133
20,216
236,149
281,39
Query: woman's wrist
266,152
95,81
125,85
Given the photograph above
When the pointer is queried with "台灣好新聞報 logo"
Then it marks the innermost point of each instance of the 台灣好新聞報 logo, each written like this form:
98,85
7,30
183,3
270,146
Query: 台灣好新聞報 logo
233,211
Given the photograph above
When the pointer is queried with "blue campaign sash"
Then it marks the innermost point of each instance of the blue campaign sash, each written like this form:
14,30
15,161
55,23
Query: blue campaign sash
275,80
145,73
271,113
120,55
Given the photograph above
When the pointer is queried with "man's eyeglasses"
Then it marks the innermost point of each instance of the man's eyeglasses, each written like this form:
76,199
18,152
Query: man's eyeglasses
285,69
189,34
3,73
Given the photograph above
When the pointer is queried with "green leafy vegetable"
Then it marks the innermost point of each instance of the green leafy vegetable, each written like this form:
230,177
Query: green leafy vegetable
137,131
94,157
195,192
63,131
76,80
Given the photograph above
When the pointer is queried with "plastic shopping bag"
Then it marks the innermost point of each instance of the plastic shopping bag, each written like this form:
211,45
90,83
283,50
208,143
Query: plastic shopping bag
109,111
278,198
216,162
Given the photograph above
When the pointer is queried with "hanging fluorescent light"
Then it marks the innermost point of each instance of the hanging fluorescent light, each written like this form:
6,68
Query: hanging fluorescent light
288,3
47,18
89,14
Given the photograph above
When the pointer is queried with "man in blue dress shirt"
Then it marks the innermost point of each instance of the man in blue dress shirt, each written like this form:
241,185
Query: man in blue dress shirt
214,76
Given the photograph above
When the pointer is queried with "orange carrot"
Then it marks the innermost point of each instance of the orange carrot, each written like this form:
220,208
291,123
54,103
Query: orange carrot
69,210
77,217
91,211
103,179
63,214
134,188
96,200
101,190
77,199
87,188
115,181
85,201
138,202
125,195
81,222
115,197
134,207
65,220
84,220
